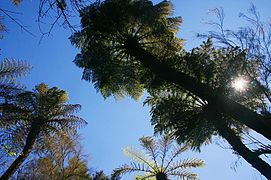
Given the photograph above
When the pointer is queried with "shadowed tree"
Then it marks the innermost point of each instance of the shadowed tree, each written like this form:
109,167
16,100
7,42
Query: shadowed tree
135,48
195,121
10,71
43,113
9,87
134,45
158,161
253,39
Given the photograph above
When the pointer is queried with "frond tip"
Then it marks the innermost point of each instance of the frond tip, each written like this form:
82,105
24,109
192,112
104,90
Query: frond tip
11,68
133,167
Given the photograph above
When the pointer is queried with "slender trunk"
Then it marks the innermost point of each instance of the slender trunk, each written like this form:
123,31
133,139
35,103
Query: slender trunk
238,146
225,105
161,176
30,141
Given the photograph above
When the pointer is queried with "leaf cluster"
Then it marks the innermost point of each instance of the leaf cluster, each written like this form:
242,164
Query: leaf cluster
158,160
179,112
9,71
103,35
44,107
106,64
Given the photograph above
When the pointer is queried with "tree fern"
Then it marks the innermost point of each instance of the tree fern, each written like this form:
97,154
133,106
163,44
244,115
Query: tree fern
153,165
103,57
43,113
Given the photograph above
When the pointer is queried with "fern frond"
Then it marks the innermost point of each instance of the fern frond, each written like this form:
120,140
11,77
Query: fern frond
184,174
156,168
187,163
11,68
68,121
164,143
133,167
151,148
65,110
176,152
139,156
14,135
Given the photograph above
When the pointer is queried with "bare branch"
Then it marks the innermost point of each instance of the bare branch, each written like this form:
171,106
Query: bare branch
7,13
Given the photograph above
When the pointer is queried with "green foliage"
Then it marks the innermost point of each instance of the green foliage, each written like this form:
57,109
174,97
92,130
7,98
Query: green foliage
44,107
106,63
158,161
253,39
103,35
109,42
218,67
9,71
176,111
181,115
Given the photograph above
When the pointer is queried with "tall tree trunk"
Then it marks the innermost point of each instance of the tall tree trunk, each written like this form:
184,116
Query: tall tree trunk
244,115
30,141
227,133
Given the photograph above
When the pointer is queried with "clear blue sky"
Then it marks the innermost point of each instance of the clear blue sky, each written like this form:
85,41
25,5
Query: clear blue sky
115,124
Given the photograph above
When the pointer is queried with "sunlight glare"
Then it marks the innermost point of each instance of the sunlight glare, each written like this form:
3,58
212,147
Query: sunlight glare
239,84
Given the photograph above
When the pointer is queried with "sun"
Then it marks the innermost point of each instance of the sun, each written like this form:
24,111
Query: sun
239,84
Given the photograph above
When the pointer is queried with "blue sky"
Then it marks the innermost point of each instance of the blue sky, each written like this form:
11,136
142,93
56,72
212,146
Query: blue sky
115,124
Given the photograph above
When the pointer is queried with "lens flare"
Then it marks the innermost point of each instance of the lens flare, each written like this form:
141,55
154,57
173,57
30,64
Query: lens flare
240,84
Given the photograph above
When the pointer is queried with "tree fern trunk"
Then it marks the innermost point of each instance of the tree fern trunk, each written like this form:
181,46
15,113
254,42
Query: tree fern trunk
238,146
30,141
227,106
161,176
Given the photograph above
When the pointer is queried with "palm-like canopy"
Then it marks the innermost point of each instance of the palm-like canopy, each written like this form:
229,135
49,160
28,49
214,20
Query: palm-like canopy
159,160
44,108
38,114
102,43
